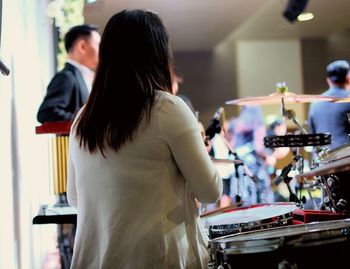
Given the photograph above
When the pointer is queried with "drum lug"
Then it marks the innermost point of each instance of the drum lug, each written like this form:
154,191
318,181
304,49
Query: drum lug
224,266
284,264
211,265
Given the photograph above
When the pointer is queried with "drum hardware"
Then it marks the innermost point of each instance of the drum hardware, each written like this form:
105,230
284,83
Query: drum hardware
286,179
300,140
283,96
290,114
333,176
280,93
334,200
302,216
327,155
340,165
286,246
304,139
250,218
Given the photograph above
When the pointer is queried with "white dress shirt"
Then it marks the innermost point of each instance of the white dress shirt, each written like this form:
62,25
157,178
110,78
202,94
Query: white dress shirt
87,73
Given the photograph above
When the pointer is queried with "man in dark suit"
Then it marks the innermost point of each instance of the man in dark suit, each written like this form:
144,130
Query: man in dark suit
329,117
69,88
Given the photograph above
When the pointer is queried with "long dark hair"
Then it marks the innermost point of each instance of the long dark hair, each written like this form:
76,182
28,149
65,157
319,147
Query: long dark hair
134,61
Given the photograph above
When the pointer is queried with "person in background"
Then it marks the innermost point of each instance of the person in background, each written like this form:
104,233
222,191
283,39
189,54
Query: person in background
330,117
249,132
137,160
333,118
220,150
69,88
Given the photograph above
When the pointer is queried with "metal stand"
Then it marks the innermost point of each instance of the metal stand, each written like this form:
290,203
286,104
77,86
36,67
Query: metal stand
246,170
291,115
65,238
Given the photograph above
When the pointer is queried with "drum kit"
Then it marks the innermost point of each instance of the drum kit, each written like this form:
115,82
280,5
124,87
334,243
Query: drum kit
285,234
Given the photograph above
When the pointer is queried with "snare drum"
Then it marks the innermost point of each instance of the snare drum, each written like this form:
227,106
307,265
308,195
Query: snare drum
250,218
314,245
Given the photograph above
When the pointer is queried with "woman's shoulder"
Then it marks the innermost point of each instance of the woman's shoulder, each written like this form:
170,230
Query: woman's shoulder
171,103
167,97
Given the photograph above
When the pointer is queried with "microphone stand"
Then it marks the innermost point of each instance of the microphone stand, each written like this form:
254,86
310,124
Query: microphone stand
246,170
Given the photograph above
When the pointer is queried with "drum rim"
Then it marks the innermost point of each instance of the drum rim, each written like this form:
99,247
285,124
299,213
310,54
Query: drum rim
306,228
222,228
331,154
291,206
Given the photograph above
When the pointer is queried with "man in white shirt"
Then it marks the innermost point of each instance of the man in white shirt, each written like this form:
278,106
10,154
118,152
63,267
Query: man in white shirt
69,88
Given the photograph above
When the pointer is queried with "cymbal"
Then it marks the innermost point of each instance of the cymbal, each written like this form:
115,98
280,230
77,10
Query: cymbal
329,168
275,98
343,100
226,161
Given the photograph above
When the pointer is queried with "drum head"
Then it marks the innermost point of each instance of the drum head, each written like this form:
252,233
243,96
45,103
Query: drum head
249,218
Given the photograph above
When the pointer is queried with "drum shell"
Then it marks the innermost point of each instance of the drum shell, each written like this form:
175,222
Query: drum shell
315,245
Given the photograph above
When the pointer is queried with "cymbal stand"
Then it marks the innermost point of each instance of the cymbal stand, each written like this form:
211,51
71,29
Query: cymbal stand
291,115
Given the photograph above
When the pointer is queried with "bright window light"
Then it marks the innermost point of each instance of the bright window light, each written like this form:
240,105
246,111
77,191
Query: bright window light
305,16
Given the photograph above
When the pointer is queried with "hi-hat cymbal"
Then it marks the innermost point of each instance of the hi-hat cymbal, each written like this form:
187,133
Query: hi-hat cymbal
343,100
276,98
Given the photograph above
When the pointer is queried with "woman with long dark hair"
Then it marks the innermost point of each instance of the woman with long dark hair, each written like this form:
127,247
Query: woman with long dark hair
137,160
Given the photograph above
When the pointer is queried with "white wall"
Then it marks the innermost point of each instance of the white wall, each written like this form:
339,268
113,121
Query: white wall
26,46
262,63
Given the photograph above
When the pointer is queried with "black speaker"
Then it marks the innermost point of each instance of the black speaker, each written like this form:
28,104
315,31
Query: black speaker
294,9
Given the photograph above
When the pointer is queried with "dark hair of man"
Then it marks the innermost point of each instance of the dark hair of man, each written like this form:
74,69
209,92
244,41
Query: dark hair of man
134,62
76,32
338,71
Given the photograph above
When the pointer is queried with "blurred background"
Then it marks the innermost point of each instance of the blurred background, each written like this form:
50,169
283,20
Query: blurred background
223,50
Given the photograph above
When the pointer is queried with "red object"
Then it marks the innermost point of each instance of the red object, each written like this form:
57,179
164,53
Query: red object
301,216
59,127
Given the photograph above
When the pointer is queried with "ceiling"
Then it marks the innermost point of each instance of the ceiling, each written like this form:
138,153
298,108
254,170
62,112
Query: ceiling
202,24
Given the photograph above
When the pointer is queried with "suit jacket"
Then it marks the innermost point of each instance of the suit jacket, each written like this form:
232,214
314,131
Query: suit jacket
66,94
328,117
